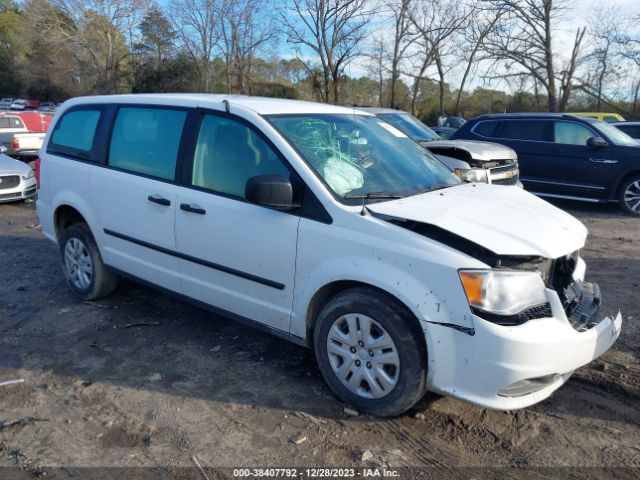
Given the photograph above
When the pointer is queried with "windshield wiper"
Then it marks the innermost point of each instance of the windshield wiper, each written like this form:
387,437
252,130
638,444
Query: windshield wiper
373,196
439,186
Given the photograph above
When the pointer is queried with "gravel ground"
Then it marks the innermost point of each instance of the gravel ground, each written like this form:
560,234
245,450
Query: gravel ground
101,391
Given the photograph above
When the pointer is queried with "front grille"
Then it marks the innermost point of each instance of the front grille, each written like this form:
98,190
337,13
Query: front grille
504,175
9,181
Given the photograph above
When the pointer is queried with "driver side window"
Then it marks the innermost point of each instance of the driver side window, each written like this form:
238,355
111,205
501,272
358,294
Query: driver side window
228,153
571,133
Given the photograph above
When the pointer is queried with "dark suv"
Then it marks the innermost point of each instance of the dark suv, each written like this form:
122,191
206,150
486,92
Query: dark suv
565,156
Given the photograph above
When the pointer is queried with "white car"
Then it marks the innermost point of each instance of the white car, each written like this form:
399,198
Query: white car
17,180
470,160
329,228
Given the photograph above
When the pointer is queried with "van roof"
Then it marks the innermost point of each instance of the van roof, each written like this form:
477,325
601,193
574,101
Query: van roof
260,105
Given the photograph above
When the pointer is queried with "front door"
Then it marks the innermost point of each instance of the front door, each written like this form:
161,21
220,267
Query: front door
579,169
235,255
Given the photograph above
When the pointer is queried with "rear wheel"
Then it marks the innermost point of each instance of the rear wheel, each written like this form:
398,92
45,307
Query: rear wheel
82,264
630,195
370,352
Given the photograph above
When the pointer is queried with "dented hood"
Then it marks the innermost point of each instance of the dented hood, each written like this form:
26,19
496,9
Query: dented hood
505,220
480,151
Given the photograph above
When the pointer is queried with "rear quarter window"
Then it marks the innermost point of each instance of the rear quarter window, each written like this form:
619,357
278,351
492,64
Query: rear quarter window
74,134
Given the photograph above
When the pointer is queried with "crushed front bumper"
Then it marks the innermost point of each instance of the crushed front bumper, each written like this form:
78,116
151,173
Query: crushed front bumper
507,368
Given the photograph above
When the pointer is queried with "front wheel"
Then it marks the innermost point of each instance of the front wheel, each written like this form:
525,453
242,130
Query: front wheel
630,195
371,352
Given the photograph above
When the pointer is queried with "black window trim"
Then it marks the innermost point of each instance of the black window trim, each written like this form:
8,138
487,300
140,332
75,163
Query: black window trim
549,129
89,156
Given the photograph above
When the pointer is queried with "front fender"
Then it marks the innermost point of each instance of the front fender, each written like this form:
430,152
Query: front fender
404,280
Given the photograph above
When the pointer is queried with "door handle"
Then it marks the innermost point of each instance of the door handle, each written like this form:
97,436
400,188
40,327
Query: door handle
192,208
602,160
160,200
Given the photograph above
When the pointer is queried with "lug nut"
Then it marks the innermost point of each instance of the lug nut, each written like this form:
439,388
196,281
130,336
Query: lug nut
358,363
371,353
368,364
353,349
361,343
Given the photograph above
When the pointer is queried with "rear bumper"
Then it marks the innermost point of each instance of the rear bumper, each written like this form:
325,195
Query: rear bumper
513,367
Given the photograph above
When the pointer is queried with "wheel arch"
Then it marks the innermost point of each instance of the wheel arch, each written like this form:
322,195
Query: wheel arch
624,178
330,290
64,216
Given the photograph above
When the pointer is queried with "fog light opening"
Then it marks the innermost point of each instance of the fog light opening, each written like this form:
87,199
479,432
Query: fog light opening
529,386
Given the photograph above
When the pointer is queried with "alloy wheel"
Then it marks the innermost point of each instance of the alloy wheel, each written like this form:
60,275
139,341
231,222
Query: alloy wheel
78,263
632,196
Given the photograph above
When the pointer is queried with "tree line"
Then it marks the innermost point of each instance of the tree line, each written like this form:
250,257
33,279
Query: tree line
430,57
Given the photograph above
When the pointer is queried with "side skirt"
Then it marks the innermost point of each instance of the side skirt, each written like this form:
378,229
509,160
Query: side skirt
213,309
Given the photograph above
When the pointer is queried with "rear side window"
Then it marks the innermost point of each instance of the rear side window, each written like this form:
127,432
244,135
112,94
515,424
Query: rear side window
486,129
75,132
522,130
11,122
631,130
570,133
146,141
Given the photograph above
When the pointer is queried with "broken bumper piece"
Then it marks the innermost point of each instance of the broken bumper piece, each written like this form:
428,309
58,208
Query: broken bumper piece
513,367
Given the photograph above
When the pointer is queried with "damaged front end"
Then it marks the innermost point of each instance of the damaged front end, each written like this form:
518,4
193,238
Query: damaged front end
580,300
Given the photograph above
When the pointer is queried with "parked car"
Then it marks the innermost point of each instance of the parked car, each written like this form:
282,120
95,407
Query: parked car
19,104
565,156
6,102
472,161
17,180
605,117
35,121
10,125
326,227
46,107
32,105
25,146
444,132
630,128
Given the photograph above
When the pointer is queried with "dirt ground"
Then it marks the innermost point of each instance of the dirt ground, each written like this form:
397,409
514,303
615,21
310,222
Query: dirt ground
100,391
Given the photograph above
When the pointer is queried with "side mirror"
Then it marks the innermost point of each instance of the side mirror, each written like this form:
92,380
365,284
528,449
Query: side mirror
3,149
270,191
597,142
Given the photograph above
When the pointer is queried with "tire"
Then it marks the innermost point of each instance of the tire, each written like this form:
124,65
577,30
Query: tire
82,265
629,196
400,379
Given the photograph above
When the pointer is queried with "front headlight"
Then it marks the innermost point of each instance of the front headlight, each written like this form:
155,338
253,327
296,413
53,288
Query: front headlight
29,175
477,175
503,292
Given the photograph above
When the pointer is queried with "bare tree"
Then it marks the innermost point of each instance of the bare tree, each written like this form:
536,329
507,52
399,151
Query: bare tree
525,43
197,23
333,30
435,22
403,39
245,28
98,28
483,20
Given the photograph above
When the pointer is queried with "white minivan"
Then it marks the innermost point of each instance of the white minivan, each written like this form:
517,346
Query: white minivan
333,229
